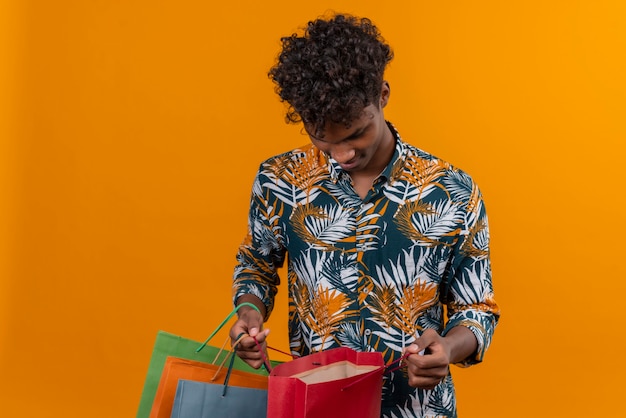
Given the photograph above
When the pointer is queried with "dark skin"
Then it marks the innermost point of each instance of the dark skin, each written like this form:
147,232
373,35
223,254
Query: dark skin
424,371
250,322
364,149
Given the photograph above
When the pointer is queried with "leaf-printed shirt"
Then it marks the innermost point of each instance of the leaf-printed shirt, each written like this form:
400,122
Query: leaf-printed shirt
372,273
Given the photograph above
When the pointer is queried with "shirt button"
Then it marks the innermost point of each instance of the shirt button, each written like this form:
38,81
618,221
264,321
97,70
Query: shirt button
368,331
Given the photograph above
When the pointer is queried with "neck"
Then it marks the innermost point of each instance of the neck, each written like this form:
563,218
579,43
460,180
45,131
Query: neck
384,154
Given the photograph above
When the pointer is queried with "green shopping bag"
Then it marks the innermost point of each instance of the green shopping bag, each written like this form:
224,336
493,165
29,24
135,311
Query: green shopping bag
167,344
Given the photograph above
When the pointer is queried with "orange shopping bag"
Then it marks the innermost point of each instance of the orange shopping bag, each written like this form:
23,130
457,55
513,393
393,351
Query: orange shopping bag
176,369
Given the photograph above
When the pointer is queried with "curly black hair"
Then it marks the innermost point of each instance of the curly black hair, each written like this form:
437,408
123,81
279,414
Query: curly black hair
331,72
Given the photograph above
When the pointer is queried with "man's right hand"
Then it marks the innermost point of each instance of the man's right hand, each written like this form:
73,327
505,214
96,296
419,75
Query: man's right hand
250,322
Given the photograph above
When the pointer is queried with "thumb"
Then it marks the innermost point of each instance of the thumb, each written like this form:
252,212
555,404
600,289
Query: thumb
416,349
253,322
260,335
422,342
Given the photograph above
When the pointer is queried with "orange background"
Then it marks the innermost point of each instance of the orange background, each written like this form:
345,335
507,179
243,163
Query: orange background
131,132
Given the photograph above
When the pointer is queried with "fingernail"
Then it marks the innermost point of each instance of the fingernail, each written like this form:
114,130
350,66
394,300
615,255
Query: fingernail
413,347
253,332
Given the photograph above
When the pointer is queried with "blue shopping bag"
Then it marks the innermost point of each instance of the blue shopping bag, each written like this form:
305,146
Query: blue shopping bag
207,400
210,400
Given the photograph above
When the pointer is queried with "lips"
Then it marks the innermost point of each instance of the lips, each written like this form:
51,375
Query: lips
349,165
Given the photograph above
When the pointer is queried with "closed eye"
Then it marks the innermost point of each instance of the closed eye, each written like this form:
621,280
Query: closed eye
356,135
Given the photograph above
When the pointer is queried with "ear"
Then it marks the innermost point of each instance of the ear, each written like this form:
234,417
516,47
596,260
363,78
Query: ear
385,92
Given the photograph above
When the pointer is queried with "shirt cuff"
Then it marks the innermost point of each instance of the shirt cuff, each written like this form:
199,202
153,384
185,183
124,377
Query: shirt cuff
476,322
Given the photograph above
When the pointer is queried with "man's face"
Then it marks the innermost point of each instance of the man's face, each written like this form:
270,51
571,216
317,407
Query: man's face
363,148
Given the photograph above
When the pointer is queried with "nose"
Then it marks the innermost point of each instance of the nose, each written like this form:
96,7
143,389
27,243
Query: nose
342,153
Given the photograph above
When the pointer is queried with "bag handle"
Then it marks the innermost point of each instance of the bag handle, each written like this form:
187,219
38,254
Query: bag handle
220,326
386,369
230,353
227,378
230,365
266,361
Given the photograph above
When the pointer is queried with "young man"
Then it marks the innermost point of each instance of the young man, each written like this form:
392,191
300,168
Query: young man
380,235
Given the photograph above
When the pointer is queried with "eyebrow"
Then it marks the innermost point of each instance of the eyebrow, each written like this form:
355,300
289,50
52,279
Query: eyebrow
353,135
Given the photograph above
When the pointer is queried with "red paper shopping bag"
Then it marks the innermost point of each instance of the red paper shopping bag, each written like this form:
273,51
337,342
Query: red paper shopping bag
337,383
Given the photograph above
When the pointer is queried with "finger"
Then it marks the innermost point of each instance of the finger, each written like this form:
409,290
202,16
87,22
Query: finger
426,378
260,335
238,328
424,342
253,345
253,352
253,341
426,383
254,359
250,323
246,344
415,349
428,364
249,354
